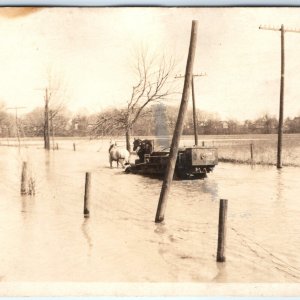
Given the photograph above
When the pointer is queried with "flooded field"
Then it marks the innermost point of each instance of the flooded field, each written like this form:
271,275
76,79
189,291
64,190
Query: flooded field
44,238
237,148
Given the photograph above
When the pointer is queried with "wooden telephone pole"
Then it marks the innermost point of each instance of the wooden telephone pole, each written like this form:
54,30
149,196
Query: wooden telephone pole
178,128
195,122
281,101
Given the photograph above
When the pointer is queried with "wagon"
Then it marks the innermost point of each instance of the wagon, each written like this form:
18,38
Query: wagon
192,163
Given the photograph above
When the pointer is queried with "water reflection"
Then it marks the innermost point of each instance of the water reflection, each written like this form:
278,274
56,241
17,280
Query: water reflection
160,228
27,203
49,164
23,204
211,187
162,241
279,185
86,234
222,273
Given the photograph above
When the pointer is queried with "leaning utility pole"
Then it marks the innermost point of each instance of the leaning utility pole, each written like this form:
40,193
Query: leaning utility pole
17,125
178,128
281,102
195,122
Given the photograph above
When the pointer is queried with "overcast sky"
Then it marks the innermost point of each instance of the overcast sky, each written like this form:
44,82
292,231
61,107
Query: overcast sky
91,50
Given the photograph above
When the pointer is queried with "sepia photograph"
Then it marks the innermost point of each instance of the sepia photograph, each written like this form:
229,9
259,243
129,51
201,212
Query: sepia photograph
149,151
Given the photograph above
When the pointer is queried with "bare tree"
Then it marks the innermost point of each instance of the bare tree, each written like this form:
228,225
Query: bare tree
153,84
110,122
55,100
154,77
7,121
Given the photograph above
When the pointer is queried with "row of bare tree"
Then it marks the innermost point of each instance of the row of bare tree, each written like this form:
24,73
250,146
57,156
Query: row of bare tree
145,112
157,119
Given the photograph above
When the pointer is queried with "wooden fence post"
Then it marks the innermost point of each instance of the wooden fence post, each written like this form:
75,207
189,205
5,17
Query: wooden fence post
222,231
86,210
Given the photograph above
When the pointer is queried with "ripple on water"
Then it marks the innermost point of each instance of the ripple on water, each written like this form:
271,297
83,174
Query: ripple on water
46,238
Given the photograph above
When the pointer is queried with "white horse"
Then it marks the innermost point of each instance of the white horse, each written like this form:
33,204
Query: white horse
118,155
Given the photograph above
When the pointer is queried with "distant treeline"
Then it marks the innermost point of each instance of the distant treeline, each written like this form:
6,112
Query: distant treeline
157,119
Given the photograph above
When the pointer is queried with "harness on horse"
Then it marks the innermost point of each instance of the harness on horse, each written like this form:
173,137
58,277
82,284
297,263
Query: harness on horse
145,147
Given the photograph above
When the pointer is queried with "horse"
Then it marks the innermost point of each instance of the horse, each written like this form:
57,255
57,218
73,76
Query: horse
143,146
118,155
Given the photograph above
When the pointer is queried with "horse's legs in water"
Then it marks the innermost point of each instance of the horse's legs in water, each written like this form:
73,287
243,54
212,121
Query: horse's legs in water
122,162
110,161
117,163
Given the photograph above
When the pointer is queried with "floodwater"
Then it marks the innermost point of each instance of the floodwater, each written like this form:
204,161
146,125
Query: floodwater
46,238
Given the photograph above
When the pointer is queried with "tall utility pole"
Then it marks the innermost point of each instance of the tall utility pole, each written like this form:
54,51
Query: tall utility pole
178,128
194,104
281,101
17,125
